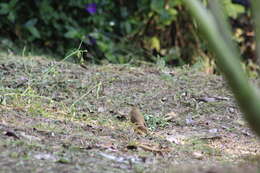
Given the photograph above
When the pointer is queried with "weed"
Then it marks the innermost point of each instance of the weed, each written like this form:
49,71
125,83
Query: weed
154,122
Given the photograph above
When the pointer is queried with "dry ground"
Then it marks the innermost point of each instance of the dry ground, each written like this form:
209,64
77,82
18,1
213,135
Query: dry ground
62,117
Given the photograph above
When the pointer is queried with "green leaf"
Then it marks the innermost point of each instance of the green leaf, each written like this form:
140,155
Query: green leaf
102,46
4,8
30,26
157,5
128,27
111,58
124,12
13,3
233,10
34,31
73,33
167,16
175,3
11,16
31,22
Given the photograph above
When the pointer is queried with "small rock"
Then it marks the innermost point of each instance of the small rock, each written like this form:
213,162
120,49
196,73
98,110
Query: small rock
164,99
231,110
189,121
44,156
197,155
213,130
101,109
184,94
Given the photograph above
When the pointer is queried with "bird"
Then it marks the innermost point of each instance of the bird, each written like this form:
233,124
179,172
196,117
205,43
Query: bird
137,118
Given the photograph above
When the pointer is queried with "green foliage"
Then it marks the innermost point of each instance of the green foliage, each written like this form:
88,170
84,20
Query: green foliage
61,26
154,122
233,10
113,26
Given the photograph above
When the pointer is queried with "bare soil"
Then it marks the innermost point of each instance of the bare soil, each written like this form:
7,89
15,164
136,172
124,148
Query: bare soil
64,117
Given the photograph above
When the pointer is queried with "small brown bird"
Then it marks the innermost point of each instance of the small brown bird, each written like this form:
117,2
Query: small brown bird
137,118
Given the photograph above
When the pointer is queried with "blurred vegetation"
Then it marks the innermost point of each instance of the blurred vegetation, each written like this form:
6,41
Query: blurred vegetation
213,24
117,31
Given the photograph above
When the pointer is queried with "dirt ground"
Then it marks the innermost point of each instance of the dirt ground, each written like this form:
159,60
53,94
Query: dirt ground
64,117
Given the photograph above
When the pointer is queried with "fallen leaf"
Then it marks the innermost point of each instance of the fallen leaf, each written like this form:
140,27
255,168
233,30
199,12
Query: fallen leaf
170,116
153,149
172,139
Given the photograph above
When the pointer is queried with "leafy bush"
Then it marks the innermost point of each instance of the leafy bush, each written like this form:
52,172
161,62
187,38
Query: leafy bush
107,28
